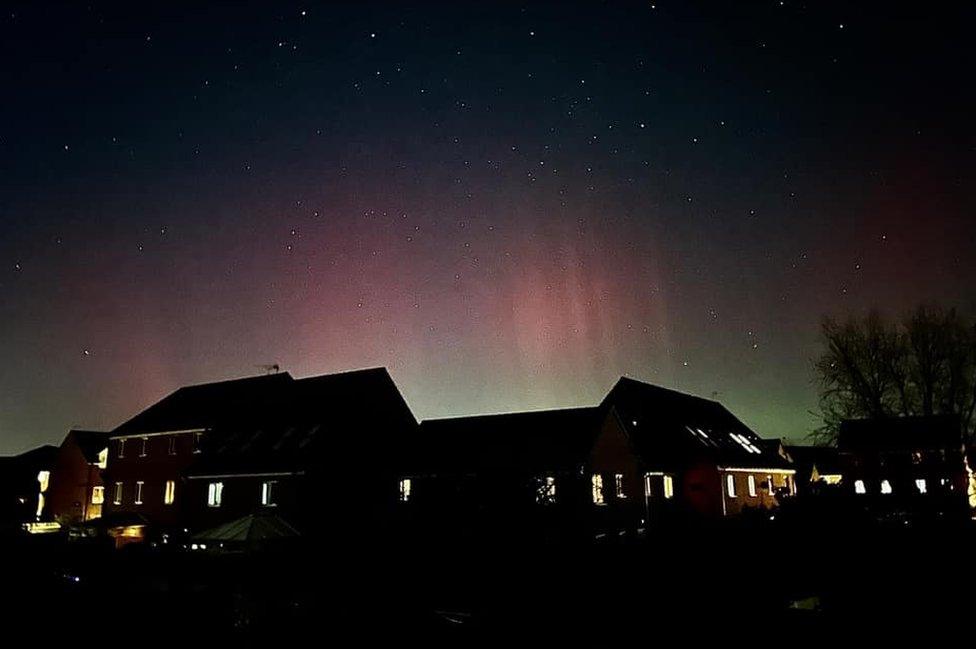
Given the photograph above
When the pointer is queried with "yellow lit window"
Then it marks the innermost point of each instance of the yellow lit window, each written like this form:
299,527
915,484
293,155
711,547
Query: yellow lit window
668,487
730,485
98,495
215,493
118,494
751,483
596,483
545,492
618,483
103,458
169,494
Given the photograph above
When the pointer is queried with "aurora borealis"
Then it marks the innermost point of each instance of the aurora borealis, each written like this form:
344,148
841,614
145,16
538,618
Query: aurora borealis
509,206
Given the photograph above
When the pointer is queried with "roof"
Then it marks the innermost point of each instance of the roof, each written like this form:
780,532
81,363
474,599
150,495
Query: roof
307,419
208,404
249,529
90,442
900,434
25,466
543,440
825,458
669,427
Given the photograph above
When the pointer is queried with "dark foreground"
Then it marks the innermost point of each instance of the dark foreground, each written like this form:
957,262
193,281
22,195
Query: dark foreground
768,584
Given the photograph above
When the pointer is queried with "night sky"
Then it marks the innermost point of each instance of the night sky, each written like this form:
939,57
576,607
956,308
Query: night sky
508,206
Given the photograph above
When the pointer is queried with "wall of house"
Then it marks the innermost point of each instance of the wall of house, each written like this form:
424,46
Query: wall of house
241,496
69,495
764,498
154,469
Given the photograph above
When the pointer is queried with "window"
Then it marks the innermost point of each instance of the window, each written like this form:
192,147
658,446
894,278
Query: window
618,483
268,493
169,494
920,485
215,492
172,444
118,494
730,485
98,495
596,482
648,491
859,487
405,486
145,447
751,482
103,458
885,487
668,487
121,448
545,492
197,442
139,486
770,485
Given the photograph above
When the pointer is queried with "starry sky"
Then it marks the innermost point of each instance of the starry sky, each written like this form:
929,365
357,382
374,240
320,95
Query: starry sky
507,205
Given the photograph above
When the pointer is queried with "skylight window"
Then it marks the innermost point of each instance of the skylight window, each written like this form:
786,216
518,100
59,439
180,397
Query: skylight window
745,443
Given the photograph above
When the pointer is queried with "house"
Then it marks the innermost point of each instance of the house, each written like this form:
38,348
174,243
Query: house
148,454
644,455
24,481
548,470
698,452
816,467
914,465
76,492
326,458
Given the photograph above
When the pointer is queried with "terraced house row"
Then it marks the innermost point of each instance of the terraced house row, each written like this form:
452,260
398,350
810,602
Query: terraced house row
343,452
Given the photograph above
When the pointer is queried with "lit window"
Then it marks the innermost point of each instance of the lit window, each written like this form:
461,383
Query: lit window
98,495
920,485
647,485
169,494
139,486
145,447
730,485
406,484
859,487
172,444
751,482
197,442
215,492
118,494
596,482
268,493
545,492
43,480
745,443
618,482
885,487
121,448
668,487
103,458
770,486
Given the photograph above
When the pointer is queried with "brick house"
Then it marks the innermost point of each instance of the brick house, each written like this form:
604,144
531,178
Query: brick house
76,492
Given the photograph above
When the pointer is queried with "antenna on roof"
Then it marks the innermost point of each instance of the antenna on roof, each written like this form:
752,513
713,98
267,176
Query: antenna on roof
270,369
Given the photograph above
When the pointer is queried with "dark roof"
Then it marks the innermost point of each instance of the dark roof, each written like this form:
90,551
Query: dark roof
23,469
209,404
669,427
825,458
900,434
91,442
311,417
544,440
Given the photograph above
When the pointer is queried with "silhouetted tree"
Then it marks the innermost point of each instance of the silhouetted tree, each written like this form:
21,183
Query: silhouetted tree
871,367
